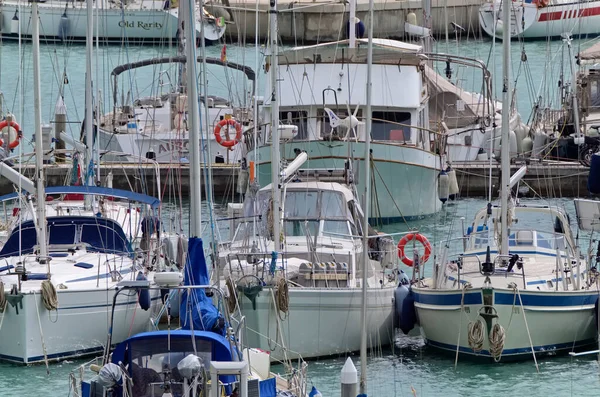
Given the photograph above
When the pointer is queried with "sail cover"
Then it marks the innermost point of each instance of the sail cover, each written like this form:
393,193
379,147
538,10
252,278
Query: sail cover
591,55
197,311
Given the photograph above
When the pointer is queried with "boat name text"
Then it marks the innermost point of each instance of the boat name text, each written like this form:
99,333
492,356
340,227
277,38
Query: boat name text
140,24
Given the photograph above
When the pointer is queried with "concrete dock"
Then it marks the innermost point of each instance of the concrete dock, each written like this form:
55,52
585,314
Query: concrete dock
310,21
549,179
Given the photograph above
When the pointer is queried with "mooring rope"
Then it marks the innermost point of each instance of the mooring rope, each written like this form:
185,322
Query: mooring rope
49,296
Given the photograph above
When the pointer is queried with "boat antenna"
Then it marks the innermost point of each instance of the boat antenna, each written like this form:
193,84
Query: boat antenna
367,199
89,106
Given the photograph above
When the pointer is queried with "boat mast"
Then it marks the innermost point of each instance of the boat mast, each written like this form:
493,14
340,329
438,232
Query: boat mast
352,25
193,121
367,199
89,115
275,160
505,145
39,155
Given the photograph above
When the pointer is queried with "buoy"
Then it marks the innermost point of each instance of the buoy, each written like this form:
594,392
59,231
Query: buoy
452,183
520,133
405,309
527,146
168,279
143,293
443,186
539,143
64,26
14,24
594,175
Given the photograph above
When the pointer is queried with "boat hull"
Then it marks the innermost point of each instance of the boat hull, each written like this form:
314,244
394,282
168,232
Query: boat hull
58,23
79,326
320,322
547,322
532,22
405,177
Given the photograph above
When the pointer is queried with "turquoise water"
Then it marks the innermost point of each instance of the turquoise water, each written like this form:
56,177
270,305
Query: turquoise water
397,371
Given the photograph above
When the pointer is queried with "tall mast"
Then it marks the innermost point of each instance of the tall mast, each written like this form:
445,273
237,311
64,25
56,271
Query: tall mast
89,115
193,120
367,206
275,160
39,155
352,25
505,153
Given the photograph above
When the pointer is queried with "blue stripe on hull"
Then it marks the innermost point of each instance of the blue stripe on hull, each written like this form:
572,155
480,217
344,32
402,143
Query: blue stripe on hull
448,299
551,299
518,353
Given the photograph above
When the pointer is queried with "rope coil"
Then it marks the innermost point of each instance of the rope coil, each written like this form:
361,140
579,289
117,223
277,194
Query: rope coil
497,338
49,296
232,299
475,335
282,295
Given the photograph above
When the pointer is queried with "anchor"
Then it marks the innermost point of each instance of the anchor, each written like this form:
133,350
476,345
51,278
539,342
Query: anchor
15,298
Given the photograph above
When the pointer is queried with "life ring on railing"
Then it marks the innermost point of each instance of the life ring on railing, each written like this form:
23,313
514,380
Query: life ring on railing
543,3
14,143
231,142
409,237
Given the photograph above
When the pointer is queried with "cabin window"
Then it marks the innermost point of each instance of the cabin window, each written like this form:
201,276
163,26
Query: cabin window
299,228
297,118
61,234
391,126
302,205
594,94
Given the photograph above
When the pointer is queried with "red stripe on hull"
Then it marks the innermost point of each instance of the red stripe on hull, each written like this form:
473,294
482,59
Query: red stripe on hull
557,15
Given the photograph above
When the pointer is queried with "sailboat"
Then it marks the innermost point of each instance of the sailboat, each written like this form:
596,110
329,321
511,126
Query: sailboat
58,270
521,274
145,21
293,267
178,362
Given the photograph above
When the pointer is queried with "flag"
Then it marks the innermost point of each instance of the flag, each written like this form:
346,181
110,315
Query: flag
224,53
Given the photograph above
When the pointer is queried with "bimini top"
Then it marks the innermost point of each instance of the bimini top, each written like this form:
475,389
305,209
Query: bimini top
98,234
95,191
591,55
391,52
156,349
316,186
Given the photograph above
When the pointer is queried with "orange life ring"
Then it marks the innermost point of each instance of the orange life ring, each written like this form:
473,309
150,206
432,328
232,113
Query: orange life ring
409,237
543,3
231,142
17,128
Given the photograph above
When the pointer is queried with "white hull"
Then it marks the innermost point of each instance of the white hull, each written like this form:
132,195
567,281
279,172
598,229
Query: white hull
553,323
320,321
146,21
532,22
80,325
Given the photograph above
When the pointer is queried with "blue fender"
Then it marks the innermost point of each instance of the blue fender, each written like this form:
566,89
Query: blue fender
143,294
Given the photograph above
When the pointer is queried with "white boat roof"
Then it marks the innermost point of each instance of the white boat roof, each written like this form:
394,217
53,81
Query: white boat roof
317,185
385,51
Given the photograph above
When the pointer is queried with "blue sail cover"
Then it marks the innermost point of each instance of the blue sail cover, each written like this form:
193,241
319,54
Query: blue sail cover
197,311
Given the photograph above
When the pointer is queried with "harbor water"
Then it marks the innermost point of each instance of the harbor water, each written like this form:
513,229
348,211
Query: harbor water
408,368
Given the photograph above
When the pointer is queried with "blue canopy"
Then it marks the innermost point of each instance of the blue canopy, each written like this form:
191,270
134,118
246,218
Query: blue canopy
95,191
197,311
172,347
101,235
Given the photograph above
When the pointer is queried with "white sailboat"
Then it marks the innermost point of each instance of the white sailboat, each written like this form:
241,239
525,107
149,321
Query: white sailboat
58,270
520,275
307,251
